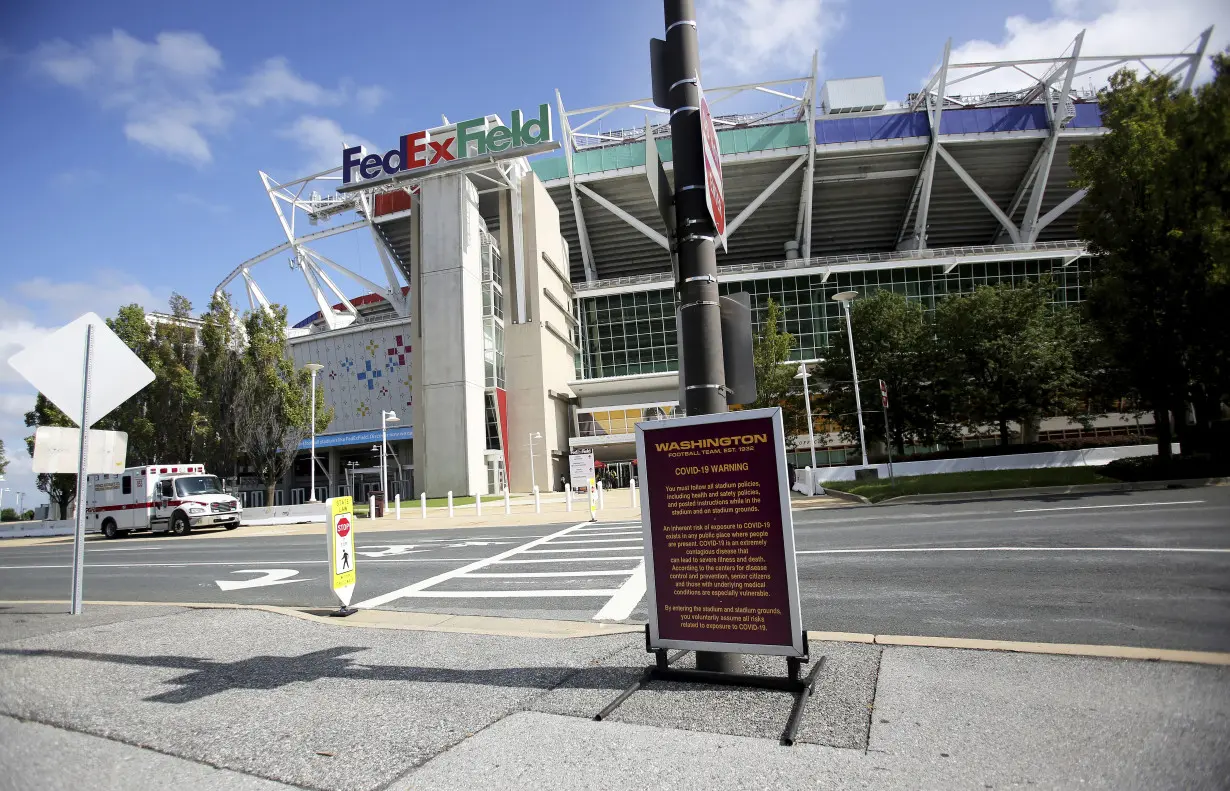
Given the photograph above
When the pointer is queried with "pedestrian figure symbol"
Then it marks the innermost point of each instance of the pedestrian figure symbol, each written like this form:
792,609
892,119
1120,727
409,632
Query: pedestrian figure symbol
345,559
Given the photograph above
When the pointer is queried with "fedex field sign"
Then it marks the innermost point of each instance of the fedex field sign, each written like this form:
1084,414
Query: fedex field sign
477,137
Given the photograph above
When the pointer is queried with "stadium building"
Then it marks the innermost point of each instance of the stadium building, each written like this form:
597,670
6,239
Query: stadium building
527,305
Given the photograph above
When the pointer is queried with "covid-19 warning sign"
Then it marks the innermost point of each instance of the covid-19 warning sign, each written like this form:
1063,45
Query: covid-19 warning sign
719,540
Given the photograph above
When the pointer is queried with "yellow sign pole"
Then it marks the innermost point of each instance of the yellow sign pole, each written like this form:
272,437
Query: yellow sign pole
341,526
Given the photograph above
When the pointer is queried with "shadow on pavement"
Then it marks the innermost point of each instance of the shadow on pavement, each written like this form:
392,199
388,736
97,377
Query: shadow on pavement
207,677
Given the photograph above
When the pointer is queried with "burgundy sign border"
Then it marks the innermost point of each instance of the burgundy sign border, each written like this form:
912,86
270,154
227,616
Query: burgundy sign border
798,648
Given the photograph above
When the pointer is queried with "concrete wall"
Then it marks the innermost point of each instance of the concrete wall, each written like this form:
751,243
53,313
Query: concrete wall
449,427
1092,457
366,370
538,354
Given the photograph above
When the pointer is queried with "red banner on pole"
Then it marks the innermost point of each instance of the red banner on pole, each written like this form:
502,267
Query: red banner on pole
715,198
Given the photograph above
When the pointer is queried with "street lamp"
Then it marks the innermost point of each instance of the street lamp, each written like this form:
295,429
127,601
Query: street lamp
845,298
385,419
533,477
811,433
351,466
314,368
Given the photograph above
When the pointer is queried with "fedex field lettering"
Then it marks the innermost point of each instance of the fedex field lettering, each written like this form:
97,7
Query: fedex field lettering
473,138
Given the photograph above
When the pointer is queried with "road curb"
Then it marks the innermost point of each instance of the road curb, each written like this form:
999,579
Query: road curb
1051,649
1028,491
857,499
490,625
543,628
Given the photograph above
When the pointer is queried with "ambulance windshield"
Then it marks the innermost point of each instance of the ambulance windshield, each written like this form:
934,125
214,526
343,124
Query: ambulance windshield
197,484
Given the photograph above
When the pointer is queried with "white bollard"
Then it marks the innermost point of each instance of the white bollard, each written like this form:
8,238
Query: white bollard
397,506
478,504
601,497
450,504
423,503
568,496
810,486
371,507
507,504
632,488
537,502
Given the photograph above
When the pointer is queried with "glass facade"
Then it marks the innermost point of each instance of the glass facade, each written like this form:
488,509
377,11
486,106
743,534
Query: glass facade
621,420
626,334
493,313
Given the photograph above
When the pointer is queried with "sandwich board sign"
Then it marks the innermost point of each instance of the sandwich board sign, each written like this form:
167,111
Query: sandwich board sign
341,549
581,469
719,539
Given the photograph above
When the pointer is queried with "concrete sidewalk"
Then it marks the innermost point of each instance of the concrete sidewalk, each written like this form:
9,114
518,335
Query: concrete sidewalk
157,697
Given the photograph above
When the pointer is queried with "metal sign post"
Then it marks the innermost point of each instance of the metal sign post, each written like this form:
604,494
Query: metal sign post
52,367
79,530
888,439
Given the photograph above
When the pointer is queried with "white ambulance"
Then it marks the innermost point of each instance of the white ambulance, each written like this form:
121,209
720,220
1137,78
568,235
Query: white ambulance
160,498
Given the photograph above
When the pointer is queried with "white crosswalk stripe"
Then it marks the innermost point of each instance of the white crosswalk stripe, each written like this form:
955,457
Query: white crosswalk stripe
606,543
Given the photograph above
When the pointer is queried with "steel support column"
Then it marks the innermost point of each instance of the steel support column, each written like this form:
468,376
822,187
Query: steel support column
587,256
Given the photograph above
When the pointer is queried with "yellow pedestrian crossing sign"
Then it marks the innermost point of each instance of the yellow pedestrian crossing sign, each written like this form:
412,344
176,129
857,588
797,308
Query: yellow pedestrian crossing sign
341,547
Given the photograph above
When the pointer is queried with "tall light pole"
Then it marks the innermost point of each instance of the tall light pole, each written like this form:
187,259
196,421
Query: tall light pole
314,368
845,298
385,419
811,432
533,477
350,466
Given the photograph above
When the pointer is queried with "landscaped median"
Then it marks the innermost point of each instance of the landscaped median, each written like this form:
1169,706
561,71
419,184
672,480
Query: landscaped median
943,483
1128,472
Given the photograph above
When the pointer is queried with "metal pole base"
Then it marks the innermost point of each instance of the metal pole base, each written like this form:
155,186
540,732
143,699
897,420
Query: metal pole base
715,662
661,670
342,612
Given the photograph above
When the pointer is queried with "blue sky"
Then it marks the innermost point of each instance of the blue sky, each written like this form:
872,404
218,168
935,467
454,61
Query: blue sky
135,130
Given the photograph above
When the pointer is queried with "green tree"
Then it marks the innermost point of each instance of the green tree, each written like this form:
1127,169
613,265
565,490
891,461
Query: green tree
272,405
1004,355
775,382
1157,213
4,462
60,488
218,374
893,342
164,421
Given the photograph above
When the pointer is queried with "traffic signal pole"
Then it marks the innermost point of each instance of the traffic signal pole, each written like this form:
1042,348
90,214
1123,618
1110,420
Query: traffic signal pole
700,316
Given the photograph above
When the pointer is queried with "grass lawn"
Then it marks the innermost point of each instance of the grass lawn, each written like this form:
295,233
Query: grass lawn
882,489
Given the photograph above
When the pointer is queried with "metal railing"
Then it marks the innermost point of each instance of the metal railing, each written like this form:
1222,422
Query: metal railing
936,256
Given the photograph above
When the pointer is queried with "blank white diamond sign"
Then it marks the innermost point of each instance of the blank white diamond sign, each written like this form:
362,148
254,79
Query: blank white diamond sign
55,365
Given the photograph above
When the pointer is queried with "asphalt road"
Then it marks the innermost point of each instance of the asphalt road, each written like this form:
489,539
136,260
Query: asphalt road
1146,569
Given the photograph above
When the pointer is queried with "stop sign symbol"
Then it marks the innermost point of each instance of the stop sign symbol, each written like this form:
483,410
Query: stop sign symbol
343,527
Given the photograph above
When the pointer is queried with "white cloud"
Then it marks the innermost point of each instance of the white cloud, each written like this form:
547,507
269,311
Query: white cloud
38,307
322,139
275,82
741,38
369,98
1113,27
171,92
198,202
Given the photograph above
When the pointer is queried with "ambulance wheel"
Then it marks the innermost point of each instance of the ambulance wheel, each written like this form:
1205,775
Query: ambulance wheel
180,526
233,527
109,530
